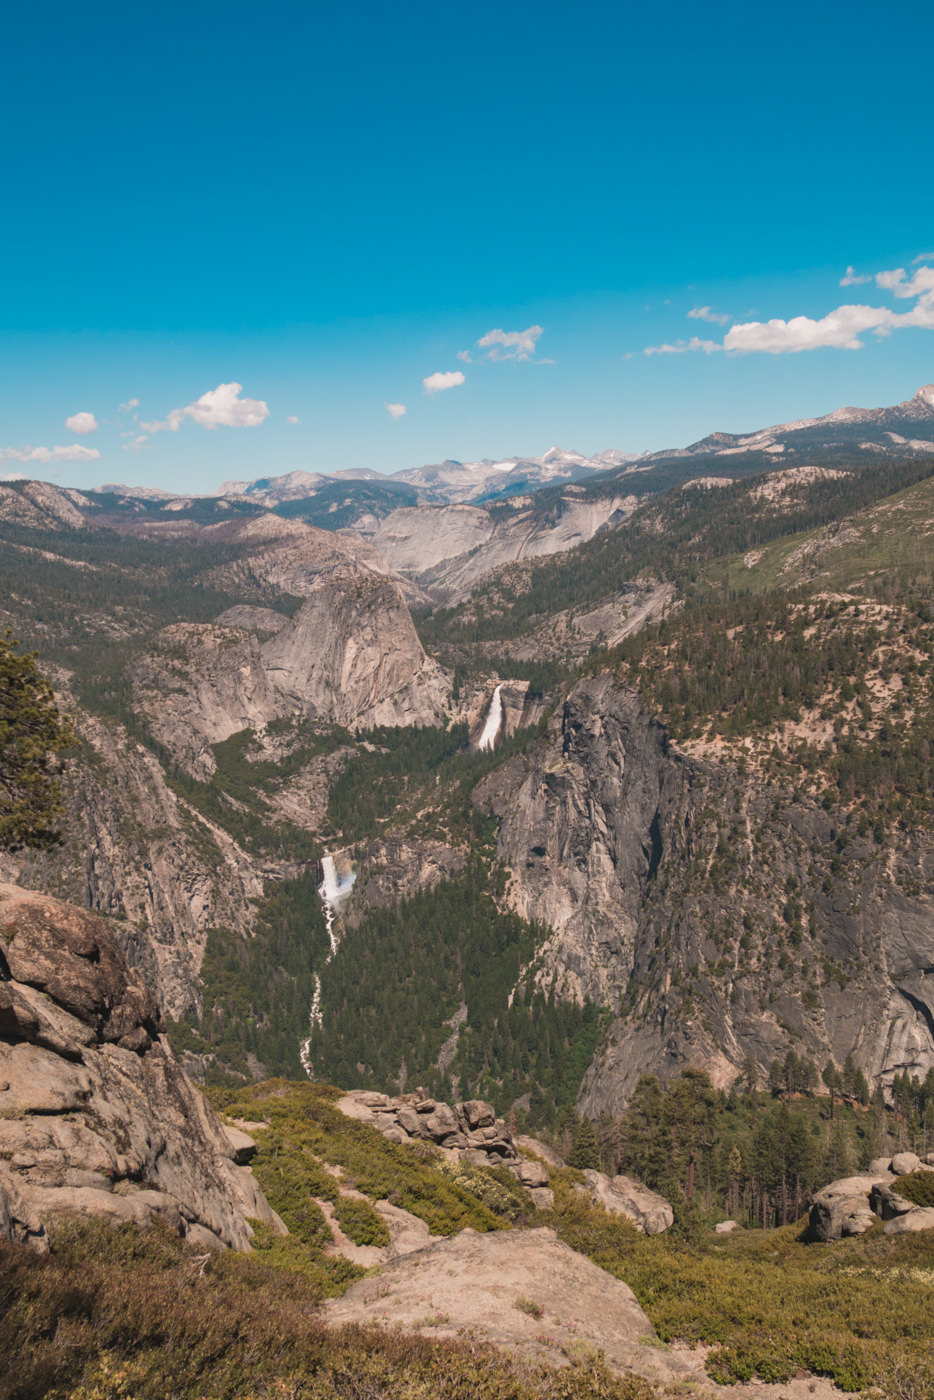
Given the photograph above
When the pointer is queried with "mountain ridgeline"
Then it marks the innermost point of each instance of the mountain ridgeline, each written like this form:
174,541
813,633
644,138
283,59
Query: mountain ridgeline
701,838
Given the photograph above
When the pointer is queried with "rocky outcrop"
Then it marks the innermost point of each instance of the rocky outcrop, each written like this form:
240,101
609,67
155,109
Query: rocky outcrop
623,1195
96,1115
855,1203
520,1289
719,916
470,1129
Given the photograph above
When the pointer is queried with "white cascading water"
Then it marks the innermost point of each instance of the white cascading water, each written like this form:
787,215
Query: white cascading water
333,890
493,721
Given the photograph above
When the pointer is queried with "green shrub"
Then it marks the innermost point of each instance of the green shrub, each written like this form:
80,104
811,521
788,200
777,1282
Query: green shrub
360,1222
917,1187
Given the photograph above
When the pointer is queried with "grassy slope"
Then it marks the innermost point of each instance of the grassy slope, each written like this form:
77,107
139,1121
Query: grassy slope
114,1314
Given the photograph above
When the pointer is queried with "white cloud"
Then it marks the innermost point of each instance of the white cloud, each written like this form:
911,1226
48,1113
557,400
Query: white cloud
218,408
466,356
136,445
396,410
707,313
852,280
14,476
126,407
915,286
923,257
72,453
510,345
841,329
81,423
440,380
293,419
681,347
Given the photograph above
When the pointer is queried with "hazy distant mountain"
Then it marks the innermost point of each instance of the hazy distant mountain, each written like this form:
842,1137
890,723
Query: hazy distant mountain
905,427
460,482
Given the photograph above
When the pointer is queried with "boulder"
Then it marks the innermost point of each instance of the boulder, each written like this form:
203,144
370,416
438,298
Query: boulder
726,1227
622,1195
530,1173
535,1148
843,1208
477,1114
905,1162
96,1114
887,1203
917,1218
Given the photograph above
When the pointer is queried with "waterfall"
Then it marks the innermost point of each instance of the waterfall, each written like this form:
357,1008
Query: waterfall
333,890
493,721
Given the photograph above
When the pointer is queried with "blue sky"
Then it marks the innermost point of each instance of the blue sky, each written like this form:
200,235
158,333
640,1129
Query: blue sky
327,206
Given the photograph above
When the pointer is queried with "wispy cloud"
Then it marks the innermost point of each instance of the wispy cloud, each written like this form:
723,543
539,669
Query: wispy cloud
440,380
397,410
81,423
510,345
136,445
74,452
466,356
293,419
923,257
218,408
128,406
682,347
852,279
707,313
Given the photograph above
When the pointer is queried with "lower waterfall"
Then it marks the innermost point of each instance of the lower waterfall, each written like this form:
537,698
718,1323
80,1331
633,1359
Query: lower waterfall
333,890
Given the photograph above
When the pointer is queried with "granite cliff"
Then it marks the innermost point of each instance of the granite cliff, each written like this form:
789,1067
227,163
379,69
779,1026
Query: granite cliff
719,916
96,1115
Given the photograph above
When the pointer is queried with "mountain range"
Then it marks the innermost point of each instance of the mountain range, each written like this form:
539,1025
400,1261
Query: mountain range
702,833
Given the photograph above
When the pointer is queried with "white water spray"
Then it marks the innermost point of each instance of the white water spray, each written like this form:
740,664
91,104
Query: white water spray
493,721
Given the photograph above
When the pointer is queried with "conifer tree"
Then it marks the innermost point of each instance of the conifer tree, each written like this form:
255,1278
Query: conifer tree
32,737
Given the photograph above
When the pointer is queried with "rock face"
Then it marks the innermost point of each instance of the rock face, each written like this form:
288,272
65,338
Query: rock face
137,851
699,903
622,1195
350,655
96,1115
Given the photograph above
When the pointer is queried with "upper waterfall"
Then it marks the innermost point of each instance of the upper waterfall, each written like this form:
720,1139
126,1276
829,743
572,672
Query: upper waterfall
493,721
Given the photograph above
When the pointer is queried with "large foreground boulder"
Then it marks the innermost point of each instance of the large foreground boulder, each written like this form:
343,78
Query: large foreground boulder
520,1289
97,1117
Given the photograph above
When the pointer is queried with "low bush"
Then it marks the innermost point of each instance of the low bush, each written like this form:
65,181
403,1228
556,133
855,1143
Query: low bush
123,1314
857,1311
360,1222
